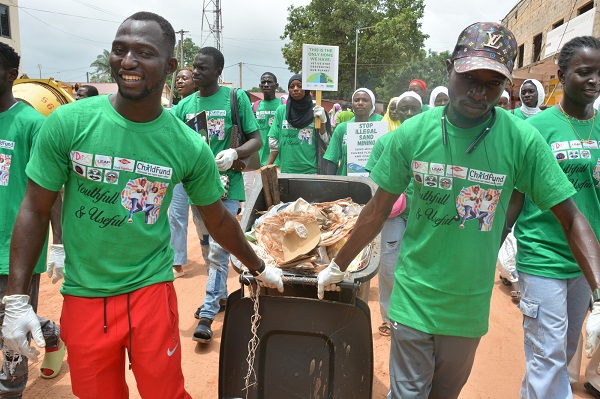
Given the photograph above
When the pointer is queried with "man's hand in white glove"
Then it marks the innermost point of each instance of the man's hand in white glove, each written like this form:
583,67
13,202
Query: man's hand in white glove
20,319
592,328
56,262
225,159
319,112
328,278
271,278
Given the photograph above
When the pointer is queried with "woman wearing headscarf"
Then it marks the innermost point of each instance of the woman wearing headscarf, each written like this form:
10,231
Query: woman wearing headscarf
504,101
420,87
292,137
439,97
390,116
407,106
363,104
335,110
532,96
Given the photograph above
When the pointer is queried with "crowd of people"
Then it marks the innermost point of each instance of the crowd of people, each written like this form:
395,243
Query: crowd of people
454,175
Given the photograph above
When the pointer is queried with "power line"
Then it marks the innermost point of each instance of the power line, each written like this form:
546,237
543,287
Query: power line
99,9
65,14
68,33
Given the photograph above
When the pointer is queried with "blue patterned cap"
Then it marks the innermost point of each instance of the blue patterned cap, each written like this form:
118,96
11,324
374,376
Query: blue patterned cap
485,45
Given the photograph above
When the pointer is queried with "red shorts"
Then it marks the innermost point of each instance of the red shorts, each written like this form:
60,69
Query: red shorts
97,353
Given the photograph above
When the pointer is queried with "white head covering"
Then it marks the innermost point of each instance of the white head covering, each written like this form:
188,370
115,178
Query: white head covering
409,94
505,95
370,93
434,94
528,111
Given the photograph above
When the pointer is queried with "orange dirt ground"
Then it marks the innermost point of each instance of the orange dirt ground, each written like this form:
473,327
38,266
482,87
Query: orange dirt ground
497,373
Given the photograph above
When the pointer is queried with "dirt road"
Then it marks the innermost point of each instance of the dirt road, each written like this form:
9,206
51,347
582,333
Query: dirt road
497,373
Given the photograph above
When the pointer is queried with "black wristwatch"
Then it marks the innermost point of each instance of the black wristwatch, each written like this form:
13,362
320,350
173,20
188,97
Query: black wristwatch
261,269
596,295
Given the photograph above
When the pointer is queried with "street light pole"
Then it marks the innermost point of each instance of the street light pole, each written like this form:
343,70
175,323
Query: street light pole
356,52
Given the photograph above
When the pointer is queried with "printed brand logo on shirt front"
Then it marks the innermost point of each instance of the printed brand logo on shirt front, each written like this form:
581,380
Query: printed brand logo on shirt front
7,144
217,112
79,169
490,178
94,174
124,164
149,169
437,169
459,172
103,161
82,158
111,177
561,145
419,166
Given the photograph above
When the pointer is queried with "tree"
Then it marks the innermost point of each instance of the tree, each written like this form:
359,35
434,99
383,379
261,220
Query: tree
190,50
102,66
390,35
431,68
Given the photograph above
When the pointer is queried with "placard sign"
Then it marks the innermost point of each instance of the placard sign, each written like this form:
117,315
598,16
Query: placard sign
360,139
320,67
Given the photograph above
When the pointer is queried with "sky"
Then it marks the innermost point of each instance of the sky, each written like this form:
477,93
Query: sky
61,38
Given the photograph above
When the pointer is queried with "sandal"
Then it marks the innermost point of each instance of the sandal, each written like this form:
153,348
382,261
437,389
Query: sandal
384,329
53,360
203,332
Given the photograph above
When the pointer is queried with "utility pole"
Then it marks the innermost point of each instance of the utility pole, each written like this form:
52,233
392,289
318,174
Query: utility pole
241,64
87,77
40,68
178,50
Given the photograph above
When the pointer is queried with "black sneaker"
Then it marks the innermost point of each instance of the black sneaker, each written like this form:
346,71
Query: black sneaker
203,332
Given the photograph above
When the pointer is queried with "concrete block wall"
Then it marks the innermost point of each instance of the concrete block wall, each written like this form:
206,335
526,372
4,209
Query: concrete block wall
531,17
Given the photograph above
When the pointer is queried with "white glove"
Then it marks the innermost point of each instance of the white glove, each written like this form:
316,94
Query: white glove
592,328
319,112
271,278
328,278
56,262
20,319
225,159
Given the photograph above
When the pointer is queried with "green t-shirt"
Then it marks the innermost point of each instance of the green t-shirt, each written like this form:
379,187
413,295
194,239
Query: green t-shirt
425,107
265,114
337,151
518,113
119,178
376,152
446,267
297,151
542,247
19,127
218,114
344,116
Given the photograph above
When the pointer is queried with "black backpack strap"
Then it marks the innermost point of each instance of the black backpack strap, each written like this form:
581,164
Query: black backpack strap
235,111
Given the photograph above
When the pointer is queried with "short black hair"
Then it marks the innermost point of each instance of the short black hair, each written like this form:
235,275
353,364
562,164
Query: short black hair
9,58
270,74
216,55
573,46
91,90
167,28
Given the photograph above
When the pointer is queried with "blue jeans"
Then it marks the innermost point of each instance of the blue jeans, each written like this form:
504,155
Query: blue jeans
179,212
391,236
217,263
553,313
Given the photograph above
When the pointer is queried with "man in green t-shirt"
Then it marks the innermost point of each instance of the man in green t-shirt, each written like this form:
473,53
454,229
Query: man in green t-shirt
19,127
216,101
265,111
445,271
119,157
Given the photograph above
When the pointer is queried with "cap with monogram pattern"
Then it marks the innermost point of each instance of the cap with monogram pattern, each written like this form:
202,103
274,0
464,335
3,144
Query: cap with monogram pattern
485,45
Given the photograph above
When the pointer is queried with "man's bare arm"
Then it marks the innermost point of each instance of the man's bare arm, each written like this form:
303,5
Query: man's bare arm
29,236
581,239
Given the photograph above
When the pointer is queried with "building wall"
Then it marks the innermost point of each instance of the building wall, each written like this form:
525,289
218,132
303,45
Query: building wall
15,36
531,17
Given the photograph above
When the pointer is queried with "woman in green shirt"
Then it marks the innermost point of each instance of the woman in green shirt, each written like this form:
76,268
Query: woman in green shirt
532,96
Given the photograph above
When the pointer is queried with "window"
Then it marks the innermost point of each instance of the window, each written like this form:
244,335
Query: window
537,47
4,23
558,23
520,56
585,8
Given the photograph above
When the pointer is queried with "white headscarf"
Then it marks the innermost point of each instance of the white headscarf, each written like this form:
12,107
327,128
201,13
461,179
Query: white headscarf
434,94
505,95
528,111
410,94
370,93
